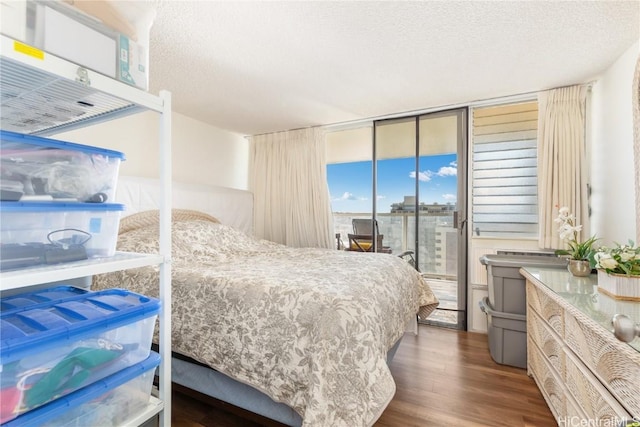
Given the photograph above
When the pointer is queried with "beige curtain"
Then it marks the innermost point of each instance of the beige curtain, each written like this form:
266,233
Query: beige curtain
289,183
636,143
562,165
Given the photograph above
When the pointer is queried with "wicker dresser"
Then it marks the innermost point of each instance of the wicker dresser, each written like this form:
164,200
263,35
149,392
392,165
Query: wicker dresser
585,374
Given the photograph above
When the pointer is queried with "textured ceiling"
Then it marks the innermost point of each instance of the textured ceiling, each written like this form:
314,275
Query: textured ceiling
256,67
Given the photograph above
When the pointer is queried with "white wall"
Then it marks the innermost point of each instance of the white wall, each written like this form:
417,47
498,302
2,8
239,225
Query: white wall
201,154
612,171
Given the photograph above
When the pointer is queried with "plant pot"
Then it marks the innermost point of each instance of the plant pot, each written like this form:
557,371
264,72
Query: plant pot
619,286
579,267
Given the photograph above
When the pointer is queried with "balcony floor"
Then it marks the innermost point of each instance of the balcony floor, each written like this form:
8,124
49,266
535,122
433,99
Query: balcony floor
447,293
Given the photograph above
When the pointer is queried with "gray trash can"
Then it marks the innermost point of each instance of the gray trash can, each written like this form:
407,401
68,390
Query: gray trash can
506,284
506,305
507,336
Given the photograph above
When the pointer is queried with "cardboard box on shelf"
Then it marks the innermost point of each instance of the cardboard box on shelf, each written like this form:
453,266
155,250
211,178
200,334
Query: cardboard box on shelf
132,62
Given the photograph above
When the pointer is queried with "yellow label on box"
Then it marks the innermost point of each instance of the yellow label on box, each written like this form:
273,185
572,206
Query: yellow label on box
28,50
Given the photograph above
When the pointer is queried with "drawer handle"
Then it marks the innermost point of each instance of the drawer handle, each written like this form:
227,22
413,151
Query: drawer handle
624,329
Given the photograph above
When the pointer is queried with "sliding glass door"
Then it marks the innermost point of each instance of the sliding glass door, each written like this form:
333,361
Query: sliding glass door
419,193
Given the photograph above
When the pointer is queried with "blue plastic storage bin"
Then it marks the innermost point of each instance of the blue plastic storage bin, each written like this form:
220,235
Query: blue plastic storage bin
51,349
53,232
43,168
108,402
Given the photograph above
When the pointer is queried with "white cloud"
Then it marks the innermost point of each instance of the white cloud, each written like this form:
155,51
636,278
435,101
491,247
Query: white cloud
378,197
424,176
346,196
451,170
449,196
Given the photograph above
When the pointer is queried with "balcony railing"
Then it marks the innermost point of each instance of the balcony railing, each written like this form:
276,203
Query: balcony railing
437,248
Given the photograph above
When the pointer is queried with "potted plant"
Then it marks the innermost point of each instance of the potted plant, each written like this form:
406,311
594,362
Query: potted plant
619,270
580,254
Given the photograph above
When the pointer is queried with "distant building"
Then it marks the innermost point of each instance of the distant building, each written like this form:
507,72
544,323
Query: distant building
438,239
409,205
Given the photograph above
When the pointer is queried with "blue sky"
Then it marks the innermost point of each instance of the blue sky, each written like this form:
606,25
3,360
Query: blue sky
350,183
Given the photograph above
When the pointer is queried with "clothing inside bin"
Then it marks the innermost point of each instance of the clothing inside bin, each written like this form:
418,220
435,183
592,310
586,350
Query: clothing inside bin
69,374
79,178
38,385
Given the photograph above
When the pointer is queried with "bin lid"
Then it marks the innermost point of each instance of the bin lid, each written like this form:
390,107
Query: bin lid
59,206
42,296
501,260
18,141
38,327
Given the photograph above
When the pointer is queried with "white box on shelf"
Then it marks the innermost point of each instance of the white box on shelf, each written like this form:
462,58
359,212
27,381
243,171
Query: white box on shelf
67,37
91,34
13,19
132,22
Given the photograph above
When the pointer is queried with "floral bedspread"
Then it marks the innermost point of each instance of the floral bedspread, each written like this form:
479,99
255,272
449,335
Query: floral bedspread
308,327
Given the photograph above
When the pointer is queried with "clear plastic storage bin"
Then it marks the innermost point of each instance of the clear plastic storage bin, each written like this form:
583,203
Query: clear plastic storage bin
52,349
42,169
35,233
105,403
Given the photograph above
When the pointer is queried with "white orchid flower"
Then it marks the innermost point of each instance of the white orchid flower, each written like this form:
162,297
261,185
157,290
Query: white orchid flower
565,233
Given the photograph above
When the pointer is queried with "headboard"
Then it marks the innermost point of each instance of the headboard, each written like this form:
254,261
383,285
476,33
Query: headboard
231,206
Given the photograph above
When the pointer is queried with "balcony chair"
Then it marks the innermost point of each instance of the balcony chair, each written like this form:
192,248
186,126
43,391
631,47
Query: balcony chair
361,240
363,243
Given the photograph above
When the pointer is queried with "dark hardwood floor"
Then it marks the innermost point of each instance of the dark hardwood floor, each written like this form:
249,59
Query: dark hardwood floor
443,377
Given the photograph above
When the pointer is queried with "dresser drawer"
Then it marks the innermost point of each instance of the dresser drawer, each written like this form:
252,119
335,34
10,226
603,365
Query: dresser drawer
548,383
614,363
547,341
574,411
546,307
596,402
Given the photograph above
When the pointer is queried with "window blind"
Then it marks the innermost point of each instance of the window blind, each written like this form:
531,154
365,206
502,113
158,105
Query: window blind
505,170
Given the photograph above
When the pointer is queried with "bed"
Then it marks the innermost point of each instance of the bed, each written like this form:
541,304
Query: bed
301,336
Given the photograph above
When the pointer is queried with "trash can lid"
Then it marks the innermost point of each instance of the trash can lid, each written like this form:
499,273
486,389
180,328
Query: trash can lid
501,260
